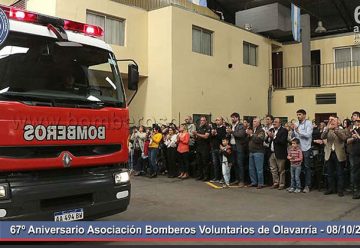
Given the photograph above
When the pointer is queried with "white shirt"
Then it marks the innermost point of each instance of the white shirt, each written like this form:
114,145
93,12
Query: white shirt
304,134
172,141
232,140
272,143
266,129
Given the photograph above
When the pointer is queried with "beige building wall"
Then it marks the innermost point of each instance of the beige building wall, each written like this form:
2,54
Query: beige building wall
305,97
293,52
204,84
176,80
6,2
47,7
153,102
136,26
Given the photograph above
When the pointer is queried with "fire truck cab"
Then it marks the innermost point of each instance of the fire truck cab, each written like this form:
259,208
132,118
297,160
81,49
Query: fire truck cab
63,121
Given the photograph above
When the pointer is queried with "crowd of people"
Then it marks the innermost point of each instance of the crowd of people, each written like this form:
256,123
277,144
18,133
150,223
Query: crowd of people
248,154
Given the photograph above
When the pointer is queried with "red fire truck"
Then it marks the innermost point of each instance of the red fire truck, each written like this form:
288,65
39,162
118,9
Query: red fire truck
63,120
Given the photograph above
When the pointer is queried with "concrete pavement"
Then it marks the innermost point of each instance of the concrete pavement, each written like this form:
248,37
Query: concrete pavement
164,199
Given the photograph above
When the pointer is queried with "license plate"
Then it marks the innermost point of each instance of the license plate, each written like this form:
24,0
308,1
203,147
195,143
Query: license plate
69,215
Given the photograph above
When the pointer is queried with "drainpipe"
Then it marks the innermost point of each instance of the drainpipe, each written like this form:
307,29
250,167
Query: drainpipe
269,99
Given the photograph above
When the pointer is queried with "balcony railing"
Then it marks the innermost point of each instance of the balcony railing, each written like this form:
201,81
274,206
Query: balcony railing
323,75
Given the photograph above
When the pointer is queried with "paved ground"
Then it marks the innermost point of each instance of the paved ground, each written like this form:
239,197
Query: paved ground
164,199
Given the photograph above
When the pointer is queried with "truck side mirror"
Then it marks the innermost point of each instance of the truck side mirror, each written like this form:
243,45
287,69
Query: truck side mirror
133,77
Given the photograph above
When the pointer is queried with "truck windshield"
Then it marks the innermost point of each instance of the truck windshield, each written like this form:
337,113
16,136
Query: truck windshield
44,68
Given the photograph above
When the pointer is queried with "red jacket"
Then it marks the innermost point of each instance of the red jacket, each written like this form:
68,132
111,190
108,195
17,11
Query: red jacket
184,139
146,148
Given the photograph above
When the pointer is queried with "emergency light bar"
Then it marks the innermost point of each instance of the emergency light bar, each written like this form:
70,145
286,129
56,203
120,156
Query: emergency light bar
22,15
26,16
83,28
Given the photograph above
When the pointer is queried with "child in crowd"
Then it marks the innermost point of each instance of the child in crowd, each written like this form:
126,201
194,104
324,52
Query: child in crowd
296,157
226,161
145,154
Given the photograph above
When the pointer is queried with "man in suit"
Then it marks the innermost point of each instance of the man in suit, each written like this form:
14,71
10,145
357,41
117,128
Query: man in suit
354,141
277,139
335,155
238,143
269,125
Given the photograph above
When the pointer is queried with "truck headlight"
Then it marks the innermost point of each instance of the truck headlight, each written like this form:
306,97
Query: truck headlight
122,177
4,192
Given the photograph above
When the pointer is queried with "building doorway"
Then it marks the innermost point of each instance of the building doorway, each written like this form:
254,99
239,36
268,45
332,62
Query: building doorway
277,69
323,117
315,68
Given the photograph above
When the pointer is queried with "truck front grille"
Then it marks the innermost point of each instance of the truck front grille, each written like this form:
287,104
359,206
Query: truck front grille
55,151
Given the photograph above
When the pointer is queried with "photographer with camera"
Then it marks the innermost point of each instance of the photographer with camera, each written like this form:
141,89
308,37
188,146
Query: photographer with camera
335,156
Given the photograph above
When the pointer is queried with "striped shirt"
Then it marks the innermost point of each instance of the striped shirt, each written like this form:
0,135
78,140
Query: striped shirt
296,156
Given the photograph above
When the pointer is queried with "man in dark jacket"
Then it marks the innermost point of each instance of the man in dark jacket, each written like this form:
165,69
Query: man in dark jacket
354,140
202,135
277,140
238,143
218,133
256,154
